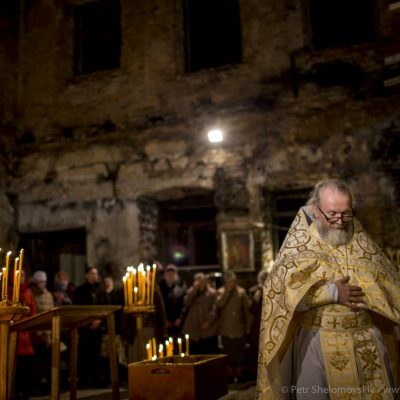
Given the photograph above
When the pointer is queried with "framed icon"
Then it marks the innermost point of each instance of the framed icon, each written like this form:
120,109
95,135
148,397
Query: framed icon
238,250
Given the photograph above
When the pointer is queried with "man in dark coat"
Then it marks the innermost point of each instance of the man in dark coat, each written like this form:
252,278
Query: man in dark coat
89,336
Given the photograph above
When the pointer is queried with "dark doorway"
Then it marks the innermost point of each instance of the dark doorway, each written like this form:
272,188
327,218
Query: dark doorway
285,206
188,231
54,251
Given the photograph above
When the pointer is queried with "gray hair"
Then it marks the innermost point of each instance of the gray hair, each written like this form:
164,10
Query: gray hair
199,275
336,183
229,276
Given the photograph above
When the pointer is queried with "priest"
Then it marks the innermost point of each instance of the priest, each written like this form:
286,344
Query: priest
329,301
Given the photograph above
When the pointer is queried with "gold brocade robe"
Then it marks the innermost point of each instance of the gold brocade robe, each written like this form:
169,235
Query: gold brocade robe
303,261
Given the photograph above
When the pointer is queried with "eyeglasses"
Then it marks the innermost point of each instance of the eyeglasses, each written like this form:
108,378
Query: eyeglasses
343,216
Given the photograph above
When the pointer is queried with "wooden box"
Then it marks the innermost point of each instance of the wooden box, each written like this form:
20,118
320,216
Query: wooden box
196,377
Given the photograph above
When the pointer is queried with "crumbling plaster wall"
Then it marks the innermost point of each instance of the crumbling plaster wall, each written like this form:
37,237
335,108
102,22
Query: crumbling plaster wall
92,145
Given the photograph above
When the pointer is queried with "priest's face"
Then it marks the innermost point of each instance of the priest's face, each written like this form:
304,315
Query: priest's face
335,217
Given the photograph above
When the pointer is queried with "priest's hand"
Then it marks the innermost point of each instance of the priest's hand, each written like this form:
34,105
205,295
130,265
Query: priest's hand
348,295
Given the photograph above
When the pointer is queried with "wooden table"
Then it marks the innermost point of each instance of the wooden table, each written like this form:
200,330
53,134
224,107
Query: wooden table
8,314
71,318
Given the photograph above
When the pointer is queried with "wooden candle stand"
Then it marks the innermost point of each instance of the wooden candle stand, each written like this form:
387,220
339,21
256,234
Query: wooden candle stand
138,310
8,314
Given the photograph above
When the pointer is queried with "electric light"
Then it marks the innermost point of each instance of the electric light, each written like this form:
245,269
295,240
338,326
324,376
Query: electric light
215,136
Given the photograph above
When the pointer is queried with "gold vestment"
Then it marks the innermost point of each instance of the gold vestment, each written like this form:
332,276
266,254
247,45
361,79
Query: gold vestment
304,266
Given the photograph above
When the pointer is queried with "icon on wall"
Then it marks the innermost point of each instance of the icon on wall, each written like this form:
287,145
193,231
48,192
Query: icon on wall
238,250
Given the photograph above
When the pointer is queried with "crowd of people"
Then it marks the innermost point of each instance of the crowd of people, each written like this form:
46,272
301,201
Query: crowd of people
221,319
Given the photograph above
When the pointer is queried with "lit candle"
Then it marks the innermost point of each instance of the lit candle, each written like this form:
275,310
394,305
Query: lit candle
135,294
134,277
167,348
148,285
140,278
130,287
179,346
161,351
187,344
21,257
182,354
15,293
171,341
148,350
125,290
143,288
3,283
15,289
153,282
6,273
154,358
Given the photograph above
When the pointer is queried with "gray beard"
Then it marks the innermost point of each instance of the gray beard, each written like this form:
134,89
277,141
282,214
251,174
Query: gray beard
335,236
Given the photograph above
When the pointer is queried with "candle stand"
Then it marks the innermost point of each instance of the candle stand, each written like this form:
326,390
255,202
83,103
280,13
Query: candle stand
138,311
8,344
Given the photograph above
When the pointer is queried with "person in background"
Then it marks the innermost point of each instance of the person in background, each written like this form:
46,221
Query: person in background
25,378
256,296
42,339
43,298
159,271
107,295
201,322
61,297
173,291
90,336
233,324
